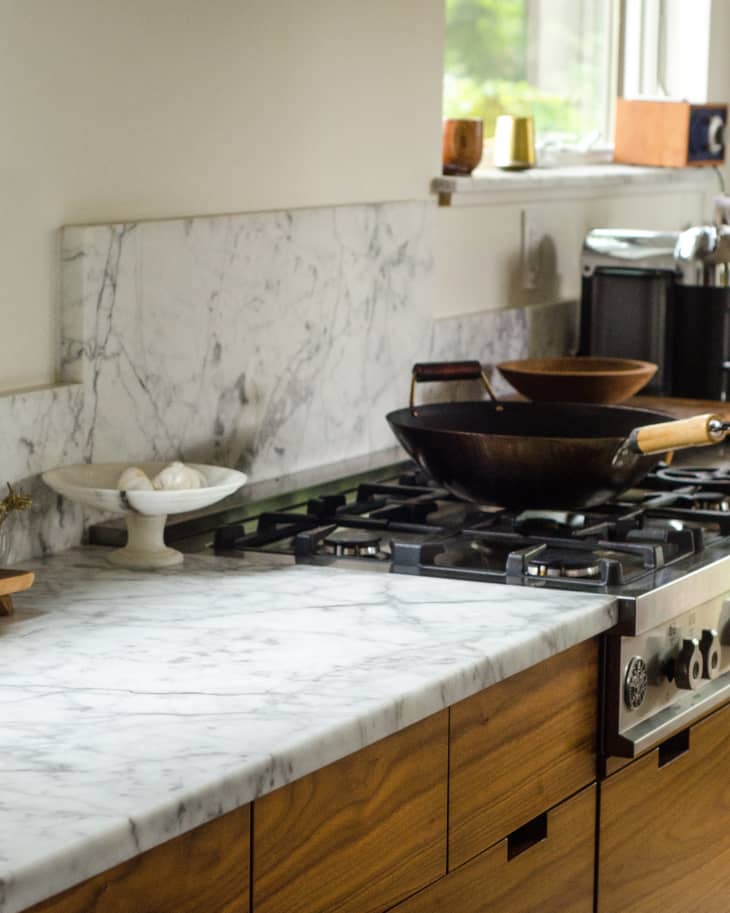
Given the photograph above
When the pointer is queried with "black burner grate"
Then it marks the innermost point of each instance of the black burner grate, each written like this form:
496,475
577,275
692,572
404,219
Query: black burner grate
422,529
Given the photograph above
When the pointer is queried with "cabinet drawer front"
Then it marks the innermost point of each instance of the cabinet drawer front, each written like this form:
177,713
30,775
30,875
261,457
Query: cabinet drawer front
360,834
554,875
520,747
664,844
205,869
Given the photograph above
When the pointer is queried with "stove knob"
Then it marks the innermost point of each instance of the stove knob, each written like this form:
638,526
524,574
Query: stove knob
688,665
636,681
710,647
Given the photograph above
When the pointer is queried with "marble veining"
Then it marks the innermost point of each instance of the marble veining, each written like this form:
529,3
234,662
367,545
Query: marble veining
267,342
137,705
41,428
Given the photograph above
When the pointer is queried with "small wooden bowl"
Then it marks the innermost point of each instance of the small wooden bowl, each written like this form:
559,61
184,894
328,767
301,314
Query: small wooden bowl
13,582
578,379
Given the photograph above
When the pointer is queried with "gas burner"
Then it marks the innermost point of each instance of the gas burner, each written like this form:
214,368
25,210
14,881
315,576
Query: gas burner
549,521
692,475
490,555
357,543
559,564
706,500
663,523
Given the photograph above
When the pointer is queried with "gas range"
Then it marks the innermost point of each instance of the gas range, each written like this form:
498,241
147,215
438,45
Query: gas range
662,550
405,524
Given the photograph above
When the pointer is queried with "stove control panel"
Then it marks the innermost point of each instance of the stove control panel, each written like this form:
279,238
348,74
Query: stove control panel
670,665
687,665
710,647
636,682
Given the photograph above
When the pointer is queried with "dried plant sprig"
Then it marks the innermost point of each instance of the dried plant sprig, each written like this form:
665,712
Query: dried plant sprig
13,501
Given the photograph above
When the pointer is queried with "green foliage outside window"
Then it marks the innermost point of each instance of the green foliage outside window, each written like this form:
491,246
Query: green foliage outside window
488,64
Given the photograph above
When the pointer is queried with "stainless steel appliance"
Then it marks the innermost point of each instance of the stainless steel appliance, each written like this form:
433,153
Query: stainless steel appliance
662,297
663,550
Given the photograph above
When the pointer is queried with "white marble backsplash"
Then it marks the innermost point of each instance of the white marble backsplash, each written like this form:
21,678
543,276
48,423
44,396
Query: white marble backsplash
268,342
41,428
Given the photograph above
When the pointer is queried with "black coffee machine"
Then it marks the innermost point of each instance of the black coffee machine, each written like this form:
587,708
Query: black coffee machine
662,297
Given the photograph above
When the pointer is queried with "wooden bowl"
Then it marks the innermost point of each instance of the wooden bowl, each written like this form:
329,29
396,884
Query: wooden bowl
578,379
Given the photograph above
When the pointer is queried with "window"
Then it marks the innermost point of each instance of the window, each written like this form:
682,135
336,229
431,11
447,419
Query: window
564,62
553,59
666,48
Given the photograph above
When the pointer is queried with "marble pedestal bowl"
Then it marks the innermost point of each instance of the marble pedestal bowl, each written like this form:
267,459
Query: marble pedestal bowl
94,485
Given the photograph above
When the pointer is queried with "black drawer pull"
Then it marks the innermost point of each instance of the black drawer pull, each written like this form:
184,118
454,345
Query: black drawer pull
674,747
527,835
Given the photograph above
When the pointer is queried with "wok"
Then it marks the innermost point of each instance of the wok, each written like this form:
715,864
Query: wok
558,455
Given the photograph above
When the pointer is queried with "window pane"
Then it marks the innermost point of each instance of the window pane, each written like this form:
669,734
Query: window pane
548,58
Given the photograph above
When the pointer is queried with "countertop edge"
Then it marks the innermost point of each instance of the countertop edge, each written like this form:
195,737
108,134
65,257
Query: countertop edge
202,803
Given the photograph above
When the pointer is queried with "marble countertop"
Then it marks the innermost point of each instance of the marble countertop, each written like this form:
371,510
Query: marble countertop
137,705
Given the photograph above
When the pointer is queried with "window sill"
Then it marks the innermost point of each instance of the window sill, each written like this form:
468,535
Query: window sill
584,179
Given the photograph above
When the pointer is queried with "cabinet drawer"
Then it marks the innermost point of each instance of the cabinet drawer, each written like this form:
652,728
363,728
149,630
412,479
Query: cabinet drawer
664,844
205,869
554,875
520,747
359,834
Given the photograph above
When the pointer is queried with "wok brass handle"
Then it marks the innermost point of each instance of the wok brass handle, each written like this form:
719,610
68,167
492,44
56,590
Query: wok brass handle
688,432
448,370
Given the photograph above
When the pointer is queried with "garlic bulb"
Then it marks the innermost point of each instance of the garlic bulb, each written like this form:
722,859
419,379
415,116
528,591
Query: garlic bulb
134,479
178,476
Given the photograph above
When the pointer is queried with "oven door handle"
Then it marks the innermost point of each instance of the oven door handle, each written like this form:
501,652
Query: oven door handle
648,733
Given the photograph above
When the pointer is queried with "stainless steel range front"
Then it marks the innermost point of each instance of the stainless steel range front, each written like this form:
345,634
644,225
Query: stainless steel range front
667,663
663,551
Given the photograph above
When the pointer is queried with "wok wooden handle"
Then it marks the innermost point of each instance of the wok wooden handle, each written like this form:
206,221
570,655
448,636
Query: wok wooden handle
688,432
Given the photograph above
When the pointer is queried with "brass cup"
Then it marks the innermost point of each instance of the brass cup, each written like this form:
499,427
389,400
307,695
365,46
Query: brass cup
463,144
514,142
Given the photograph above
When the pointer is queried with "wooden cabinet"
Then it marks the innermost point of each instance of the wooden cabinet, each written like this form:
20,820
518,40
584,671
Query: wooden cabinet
665,826
492,777
205,869
359,834
525,873
521,747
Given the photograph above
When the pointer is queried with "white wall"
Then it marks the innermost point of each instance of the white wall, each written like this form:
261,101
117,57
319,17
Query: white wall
152,108
478,245
718,83
133,109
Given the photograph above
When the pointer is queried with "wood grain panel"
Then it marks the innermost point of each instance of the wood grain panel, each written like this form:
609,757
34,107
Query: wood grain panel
651,133
680,408
205,869
665,831
359,834
520,747
553,876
